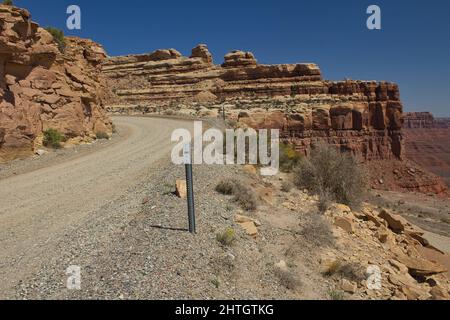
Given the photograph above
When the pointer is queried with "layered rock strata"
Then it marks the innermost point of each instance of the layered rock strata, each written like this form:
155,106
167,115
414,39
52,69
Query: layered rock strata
43,88
364,117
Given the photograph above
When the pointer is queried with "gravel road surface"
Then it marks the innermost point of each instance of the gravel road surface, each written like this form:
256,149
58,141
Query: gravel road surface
37,208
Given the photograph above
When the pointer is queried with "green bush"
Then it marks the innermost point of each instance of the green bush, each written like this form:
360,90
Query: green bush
58,36
227,237
332,174
289,157
8,2
53,139
102,135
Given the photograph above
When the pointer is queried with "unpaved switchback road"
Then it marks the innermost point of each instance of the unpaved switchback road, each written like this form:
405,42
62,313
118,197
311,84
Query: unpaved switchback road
38,207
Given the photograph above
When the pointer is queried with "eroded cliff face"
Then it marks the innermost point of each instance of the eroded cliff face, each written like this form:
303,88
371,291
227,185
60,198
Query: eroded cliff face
42,88
427,142
362,117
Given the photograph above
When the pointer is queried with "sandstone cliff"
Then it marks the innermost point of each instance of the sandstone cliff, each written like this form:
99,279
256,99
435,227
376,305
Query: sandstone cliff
42,88
362,117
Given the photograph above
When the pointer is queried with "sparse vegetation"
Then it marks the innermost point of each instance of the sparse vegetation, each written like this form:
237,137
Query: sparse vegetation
243,195
350,271
286,186
58,35
325,200
53,138
227,237
336,295
288,279
215,283
329,172
102,135
318,232
227,187
8,2
289,157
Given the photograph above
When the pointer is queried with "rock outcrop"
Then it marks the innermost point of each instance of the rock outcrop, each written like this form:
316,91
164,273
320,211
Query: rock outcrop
42,88
364,117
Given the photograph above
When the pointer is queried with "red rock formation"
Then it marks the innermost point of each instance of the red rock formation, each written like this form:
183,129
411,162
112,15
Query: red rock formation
362,117
427,142
42,88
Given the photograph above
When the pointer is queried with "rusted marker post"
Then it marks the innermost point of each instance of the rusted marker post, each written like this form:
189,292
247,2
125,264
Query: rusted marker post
190,188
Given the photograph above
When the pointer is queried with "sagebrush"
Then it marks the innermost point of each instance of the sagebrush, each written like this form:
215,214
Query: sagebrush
331,173
244,196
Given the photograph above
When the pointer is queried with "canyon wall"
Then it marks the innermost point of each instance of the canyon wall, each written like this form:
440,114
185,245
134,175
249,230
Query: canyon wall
42,87
427,142
363,117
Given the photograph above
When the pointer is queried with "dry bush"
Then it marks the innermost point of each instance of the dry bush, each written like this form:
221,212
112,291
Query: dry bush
226,187
328,171
288,279
244,196
351,271
286,186
318,232
325,200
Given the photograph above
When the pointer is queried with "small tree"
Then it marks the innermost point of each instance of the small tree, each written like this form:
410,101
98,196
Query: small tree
58,36
8,2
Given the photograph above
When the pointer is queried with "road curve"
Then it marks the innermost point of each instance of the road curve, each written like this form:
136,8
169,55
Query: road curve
39,206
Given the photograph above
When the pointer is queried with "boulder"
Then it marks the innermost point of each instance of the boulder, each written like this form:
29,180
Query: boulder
420,267
181,189
201,51
395,222
250,228
344,223
348,286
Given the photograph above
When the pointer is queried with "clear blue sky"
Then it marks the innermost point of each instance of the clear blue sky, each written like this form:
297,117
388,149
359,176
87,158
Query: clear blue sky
412,49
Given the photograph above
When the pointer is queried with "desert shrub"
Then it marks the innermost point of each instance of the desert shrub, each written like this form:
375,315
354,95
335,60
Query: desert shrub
58,36
8,2
336,295
351,271
286,186
333,268
325,200
332,172
114,128
226,187
53,138
102,135
288,279
227,237
318,232
244,196
289,157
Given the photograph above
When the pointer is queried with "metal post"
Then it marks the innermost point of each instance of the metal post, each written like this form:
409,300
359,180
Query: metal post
224,115
190,188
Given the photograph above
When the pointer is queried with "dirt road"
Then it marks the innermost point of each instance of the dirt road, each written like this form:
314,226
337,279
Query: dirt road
37,207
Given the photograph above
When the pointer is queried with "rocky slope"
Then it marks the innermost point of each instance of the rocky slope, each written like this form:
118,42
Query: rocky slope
362,117
427,142
42,88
